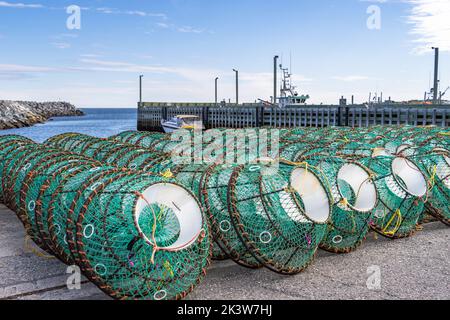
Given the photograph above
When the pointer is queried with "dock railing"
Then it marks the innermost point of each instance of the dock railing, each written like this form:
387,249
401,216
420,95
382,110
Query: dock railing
213,115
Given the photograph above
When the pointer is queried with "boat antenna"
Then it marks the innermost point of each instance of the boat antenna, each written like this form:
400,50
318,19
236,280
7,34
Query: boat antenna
290,61
429,80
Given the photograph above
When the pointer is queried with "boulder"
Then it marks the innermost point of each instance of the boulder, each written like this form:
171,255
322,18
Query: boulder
18,114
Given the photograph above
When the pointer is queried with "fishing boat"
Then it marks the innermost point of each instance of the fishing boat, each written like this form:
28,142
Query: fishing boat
289,95
182,122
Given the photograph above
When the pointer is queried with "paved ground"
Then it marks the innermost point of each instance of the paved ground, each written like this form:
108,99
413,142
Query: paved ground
415,268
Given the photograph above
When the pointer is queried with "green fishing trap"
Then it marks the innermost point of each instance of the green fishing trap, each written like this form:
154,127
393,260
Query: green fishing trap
215,197
136,236
190,176
280,213
354,198
435,165
402,190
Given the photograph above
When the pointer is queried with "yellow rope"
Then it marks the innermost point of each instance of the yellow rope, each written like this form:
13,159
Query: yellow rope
432,180
31,249
328,184
307,165
398,215
344,202
153,243
168,267
345,139
377,151
167,174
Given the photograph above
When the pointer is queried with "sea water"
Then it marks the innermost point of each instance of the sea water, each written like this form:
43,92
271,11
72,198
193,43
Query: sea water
96,122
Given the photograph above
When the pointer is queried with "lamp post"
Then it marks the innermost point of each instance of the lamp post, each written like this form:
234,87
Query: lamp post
275,89
140,88
237,85
217,78
436,75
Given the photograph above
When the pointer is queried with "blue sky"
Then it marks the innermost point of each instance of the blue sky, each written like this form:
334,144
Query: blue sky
182,45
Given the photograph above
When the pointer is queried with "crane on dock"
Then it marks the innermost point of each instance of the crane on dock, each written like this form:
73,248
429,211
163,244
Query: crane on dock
443,94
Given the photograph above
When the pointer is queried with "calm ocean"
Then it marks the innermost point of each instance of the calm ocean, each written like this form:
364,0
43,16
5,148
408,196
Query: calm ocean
97,122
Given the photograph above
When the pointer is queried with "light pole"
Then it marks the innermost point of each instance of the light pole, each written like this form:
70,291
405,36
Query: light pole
436,75
217,78
140,88
275,68
237,85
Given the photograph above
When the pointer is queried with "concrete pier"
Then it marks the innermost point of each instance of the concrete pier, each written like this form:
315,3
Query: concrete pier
150,115
414,268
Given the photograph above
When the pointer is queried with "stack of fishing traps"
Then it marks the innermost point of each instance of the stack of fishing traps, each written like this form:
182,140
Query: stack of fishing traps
141,224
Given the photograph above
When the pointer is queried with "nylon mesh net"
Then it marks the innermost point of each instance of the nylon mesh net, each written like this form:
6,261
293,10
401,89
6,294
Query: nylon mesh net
135,235
211,186
280,214
326,188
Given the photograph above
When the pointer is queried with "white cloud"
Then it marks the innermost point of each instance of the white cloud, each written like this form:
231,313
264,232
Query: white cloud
186,83
374,1
19,5
350,78
61,45
431,24
91,55
163,25
23,68
430,20
144,56
21,72
120,66
66,35
106,10
182,29
189,29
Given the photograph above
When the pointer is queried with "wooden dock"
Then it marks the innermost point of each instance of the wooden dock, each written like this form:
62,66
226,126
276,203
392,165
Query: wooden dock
150,115
414,268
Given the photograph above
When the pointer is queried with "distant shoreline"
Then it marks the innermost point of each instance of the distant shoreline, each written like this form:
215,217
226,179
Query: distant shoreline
19,114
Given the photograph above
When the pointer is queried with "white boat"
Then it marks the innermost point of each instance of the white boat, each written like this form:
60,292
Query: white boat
289,95
190,122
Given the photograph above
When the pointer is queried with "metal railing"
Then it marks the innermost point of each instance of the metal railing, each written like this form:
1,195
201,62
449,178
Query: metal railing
259,115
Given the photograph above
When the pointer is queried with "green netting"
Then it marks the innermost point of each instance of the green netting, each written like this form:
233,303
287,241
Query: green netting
137,236
215,195
363,143
216,187
279,213
354,198
352,144
435,165
142,139
338,156
105,204
402,191
8,143
120,155
188,175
